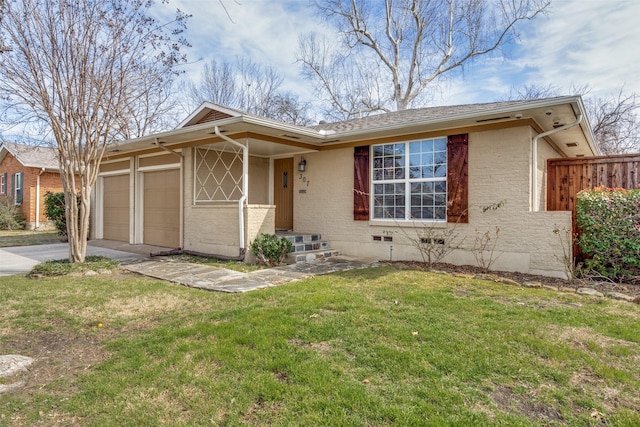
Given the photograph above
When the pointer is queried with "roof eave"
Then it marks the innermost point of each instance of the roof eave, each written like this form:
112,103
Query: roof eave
321,137
463,116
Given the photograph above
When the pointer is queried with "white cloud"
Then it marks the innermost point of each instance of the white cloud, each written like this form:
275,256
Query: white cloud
579,42
586,42
264,31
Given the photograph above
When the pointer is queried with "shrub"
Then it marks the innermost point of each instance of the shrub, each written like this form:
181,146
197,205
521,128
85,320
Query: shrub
54,211
270,249
609,221
11,217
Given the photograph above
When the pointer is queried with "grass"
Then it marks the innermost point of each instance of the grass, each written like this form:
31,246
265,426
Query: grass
10,238
367,347
64,267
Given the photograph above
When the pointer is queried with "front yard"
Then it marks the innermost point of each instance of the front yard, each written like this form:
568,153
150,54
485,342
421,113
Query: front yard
367,347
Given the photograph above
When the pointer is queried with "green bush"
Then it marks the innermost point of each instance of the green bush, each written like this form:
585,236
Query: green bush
609,221
11,217
270,249
54,211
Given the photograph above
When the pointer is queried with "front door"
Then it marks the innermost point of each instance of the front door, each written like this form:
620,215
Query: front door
283,193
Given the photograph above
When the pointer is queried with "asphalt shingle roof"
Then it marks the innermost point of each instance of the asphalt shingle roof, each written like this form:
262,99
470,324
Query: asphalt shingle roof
419,115
33,156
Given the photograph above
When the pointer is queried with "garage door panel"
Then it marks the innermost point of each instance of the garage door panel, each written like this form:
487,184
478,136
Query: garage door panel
162,208
115,202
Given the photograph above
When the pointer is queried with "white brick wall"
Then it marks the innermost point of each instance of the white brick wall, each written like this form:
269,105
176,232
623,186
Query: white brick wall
499,170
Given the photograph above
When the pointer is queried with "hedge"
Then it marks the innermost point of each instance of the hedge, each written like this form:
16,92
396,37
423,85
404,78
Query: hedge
609,222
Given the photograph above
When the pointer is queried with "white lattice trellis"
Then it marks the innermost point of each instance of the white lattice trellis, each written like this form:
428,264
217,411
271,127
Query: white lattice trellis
218,174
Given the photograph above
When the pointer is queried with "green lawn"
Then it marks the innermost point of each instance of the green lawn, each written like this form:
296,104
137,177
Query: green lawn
369,347
27,237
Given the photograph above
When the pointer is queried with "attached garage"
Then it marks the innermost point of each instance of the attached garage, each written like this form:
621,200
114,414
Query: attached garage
116,207
161,207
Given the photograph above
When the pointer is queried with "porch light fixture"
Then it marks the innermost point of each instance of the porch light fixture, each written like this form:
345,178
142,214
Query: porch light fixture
302,166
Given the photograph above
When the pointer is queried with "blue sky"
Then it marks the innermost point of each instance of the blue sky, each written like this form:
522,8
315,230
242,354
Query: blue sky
579,42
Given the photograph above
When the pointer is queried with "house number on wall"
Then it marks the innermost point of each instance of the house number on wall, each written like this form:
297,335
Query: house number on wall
304,179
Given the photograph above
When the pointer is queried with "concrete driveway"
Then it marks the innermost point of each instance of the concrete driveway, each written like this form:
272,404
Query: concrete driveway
21,259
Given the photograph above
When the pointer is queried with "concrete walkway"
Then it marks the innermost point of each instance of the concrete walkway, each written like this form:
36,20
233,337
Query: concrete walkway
224,280
135,258
21,259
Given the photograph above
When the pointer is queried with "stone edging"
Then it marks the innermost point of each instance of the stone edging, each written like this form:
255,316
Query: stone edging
532,284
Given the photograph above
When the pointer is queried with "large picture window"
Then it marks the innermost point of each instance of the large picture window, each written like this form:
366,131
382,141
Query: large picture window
410,180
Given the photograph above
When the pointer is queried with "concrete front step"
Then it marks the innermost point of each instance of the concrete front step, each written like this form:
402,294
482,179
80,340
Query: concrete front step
307,247
295,257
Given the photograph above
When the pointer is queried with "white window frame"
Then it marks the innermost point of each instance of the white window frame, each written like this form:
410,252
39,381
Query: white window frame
3,183
407,181
17,187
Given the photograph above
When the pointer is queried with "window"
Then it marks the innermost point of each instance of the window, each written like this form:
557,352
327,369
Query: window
3,184
410,180
17,191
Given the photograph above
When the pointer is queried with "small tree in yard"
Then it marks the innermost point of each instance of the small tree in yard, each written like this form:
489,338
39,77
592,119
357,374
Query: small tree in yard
11,217
80,68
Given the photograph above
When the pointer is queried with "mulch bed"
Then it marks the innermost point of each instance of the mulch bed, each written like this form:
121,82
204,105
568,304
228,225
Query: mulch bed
632,288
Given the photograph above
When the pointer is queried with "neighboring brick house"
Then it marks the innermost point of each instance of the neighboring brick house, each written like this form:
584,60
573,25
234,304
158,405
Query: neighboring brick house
26,174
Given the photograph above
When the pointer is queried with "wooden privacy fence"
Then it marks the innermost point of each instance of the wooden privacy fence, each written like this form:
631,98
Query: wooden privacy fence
567,177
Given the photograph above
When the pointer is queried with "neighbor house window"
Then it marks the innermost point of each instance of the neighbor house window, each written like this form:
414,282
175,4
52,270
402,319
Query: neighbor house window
3,184
410,180
17,193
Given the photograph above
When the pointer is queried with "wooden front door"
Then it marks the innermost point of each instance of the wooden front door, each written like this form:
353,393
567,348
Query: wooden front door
283,193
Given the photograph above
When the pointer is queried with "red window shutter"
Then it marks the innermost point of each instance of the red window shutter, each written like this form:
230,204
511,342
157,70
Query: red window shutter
458,178
361,184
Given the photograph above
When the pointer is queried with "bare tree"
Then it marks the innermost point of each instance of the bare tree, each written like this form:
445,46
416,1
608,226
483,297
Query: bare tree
217,84
533,91
81,67
152,106
249,87
388,58
615,123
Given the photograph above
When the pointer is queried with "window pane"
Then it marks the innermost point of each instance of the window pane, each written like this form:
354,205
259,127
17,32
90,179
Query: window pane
440,164
388,200
426,203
